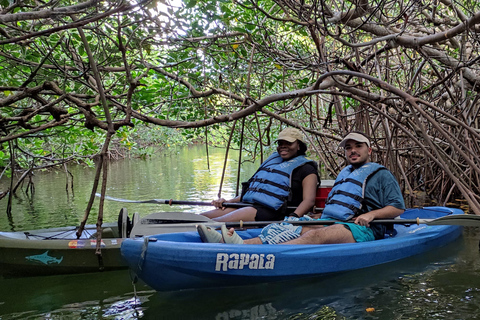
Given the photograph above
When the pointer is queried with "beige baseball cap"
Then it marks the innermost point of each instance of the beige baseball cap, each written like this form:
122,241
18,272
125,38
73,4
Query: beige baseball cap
290,135
356,137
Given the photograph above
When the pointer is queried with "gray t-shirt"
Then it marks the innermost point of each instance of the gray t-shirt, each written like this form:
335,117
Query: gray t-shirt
383,190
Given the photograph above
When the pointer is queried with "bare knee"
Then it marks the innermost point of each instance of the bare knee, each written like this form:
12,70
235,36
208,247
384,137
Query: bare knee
336,233
217,213
245,214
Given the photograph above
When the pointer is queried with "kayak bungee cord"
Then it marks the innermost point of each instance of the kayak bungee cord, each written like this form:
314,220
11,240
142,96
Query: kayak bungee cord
56,236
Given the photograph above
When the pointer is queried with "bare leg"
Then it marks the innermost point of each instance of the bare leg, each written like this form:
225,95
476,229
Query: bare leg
336,233
248,241
217,212
253,241
244,214
305,229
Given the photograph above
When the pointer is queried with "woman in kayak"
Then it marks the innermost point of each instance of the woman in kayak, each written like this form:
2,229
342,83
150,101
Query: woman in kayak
286,178
363,191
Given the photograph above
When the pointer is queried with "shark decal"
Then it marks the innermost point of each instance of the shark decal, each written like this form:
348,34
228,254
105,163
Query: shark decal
45,258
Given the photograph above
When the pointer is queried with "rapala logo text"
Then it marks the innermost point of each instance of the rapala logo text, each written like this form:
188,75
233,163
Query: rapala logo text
235,261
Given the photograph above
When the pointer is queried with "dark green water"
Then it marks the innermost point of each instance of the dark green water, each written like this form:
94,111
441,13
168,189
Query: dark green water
443,284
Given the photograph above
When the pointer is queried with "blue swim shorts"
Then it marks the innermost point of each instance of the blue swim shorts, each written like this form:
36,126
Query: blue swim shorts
360,233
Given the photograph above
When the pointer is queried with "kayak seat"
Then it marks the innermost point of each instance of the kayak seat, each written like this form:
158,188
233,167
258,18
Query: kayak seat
124,224
106,233
135,219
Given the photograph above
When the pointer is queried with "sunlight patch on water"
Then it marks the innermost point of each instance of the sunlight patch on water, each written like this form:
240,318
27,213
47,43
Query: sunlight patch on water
124,309
117,310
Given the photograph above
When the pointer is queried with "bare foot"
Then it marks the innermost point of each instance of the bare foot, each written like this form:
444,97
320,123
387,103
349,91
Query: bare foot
230,236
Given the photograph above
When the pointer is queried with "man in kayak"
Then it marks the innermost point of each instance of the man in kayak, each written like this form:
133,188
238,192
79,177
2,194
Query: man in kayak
286,178
363,191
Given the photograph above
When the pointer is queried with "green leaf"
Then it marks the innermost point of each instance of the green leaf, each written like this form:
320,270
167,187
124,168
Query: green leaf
191,4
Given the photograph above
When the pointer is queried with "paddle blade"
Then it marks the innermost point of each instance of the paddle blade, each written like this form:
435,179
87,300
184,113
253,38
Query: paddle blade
157,201
467,220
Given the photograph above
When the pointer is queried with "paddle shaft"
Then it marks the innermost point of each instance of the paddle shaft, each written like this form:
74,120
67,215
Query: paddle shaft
462,220
241,224
191,203
456,219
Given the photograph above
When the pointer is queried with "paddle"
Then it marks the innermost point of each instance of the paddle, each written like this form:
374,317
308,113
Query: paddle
457,219
186,202
469,220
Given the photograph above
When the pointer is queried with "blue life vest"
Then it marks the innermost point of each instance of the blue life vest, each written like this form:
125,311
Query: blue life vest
271,184
346,199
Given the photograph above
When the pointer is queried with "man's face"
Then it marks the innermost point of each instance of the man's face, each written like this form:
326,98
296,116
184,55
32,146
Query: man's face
287,149
357,153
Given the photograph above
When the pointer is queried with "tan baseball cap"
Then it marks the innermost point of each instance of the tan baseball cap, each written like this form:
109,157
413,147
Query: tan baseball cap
290,135
356,137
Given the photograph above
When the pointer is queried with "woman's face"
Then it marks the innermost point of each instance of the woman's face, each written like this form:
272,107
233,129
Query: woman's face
287,150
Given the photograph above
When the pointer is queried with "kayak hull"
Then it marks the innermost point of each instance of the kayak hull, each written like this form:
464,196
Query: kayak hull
58,251
181,261
34,254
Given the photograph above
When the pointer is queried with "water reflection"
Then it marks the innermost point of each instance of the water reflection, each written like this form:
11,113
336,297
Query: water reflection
181,175
56,294
124,309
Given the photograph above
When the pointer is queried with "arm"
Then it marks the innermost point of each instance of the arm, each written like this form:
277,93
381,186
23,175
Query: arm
387,212
309,186
219,202
382,192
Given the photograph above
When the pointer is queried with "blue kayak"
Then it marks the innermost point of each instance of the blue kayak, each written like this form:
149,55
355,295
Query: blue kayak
176,261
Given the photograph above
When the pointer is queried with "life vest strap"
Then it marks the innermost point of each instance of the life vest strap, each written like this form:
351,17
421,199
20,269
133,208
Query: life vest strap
280,186
350,195
274,171
358,183
268,192
356,211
